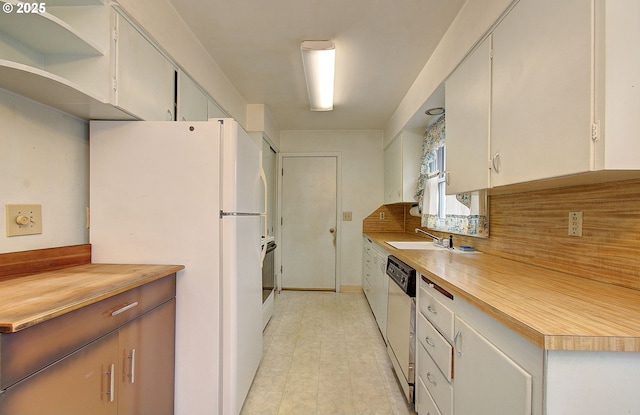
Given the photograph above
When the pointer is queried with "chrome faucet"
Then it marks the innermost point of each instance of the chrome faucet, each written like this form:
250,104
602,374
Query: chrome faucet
436,241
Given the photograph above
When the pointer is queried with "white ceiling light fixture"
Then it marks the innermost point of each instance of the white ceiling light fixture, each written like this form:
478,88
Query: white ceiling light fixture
318,59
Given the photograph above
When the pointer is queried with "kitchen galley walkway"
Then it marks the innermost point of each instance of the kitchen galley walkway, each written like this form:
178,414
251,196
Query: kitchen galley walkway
324,355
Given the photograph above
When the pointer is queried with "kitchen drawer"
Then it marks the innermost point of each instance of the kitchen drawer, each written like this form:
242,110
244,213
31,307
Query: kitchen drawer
437,308
22,353
368,290
425,403
379,262
440,389
436,345
368,262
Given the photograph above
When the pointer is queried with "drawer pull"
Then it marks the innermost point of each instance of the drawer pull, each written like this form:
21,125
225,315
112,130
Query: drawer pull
429,341
123,309
430,379
432,310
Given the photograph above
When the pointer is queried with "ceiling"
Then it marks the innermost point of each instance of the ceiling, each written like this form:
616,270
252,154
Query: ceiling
381,47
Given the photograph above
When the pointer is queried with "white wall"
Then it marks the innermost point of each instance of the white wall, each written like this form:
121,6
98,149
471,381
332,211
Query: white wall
260,119
44,159
362,183
474,20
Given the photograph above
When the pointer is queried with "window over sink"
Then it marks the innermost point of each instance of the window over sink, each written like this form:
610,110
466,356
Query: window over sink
462,213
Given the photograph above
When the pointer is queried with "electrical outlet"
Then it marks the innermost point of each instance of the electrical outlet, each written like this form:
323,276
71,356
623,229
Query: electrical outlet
347,216
23,219
381,215
575,223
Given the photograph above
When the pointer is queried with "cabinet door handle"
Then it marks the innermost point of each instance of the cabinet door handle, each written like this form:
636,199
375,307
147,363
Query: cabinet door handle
432,310
429,341
430,379
123,309
495,162
132,366
111,383
455,343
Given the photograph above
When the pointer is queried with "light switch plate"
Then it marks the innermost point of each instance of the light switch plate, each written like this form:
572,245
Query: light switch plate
23,219
347,216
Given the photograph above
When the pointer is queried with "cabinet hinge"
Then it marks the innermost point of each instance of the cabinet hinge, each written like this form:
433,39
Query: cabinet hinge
114,35
595,131
114,84
281,221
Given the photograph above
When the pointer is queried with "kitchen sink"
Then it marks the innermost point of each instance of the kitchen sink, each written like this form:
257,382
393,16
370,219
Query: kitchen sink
414,245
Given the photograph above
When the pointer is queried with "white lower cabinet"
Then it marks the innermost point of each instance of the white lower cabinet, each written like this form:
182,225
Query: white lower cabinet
434,331
438,388
425,404
367,269
469,363
487,381
375,282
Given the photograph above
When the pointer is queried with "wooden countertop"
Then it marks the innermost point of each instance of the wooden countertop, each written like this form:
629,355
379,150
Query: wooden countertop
554,310
31,299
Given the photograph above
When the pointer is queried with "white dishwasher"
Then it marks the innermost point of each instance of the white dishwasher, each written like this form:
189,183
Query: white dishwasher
401,323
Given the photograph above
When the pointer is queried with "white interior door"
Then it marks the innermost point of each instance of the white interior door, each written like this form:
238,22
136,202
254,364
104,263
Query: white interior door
309,222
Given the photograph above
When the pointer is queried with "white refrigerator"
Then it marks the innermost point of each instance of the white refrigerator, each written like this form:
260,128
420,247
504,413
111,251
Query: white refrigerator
189,193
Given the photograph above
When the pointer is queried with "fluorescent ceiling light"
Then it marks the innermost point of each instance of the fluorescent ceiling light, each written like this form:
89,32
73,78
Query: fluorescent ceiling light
318,59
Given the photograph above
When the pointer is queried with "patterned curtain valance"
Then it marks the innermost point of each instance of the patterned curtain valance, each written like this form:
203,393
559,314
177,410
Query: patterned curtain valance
434,138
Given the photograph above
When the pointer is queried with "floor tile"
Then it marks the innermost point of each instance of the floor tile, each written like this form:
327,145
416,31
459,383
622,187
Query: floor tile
324,355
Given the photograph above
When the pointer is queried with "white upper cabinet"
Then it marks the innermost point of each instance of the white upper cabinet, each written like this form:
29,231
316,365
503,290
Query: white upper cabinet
541,91
468,102
192,102
144,80
617,102
402,167
553,94
214,110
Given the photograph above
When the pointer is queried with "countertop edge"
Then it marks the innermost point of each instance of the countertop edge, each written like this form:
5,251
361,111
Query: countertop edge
151,273
541,338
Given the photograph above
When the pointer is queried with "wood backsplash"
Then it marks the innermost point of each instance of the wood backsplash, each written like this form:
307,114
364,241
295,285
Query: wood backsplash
17,264
532,227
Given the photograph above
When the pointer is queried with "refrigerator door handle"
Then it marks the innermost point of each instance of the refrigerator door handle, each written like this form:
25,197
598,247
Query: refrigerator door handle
263,176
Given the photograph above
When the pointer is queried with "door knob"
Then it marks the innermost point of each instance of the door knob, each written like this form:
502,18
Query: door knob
332,230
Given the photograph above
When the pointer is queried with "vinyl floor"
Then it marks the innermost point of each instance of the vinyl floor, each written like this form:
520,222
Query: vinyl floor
324,355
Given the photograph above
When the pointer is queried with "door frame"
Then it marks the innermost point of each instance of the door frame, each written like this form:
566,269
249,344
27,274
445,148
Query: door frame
338,157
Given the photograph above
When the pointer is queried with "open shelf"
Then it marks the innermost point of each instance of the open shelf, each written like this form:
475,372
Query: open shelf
57,92
53,36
